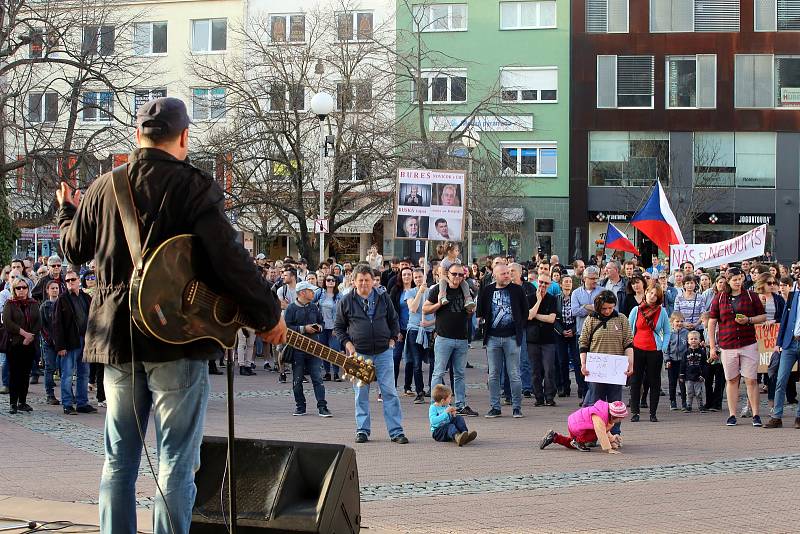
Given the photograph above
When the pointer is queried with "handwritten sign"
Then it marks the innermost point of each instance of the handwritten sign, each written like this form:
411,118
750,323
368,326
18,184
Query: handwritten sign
606,368
767,337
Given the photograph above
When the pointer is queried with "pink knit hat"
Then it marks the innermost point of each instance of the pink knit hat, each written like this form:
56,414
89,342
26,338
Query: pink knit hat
618,409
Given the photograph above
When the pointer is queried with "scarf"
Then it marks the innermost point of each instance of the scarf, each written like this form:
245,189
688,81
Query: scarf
25,307
650,314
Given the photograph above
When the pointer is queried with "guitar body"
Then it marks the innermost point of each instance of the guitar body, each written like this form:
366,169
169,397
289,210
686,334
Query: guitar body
168,303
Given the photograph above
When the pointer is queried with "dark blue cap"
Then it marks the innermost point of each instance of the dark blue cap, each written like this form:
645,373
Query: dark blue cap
163,116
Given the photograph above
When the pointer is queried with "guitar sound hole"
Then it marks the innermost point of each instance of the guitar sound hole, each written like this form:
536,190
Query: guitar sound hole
224,311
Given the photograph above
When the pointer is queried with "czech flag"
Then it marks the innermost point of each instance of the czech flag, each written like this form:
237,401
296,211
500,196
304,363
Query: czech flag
619,241
656,221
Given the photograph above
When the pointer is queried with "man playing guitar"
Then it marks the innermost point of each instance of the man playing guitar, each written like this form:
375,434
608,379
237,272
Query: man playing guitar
142,373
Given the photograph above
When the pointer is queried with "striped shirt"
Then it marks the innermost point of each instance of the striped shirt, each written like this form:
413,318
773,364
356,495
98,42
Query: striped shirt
612,338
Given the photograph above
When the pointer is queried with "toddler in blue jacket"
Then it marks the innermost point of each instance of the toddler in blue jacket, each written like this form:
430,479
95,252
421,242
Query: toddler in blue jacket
446,425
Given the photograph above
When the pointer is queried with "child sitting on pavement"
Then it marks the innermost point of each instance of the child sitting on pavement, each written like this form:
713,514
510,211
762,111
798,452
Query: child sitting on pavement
446,425
693,367
676,351
590,424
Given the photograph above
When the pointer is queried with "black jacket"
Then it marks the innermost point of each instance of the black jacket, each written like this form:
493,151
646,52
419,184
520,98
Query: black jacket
14,318
297,317
64,327
172,198
370,337
519,309
38,291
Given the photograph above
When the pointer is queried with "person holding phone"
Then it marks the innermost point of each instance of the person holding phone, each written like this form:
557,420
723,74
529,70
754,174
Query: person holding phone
305,317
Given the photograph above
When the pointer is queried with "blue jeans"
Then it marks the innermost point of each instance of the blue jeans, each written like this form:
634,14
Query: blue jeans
327,338
415,353
397,355
392,416
4,366
177,392
302,363
525,371
568,352
72,362
444,350
50,366
501,350
788,358
606,392
448,431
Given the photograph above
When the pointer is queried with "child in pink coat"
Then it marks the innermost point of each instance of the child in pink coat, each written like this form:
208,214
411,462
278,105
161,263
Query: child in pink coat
592,423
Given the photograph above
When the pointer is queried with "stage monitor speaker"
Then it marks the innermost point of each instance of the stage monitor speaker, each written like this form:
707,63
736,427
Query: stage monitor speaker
281,486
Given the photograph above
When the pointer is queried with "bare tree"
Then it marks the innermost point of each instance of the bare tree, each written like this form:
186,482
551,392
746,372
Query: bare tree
71,77
270,139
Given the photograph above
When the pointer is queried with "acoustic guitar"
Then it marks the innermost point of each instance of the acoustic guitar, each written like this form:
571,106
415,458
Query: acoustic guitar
170,303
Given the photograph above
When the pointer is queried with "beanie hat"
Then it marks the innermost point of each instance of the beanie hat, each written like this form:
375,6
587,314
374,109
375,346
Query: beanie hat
618,409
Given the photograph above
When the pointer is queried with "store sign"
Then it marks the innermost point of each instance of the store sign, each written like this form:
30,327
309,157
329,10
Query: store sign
746,246
755,219
483,123
790,97
604,216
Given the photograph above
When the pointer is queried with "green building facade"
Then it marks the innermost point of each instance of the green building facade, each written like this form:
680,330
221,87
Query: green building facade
505,66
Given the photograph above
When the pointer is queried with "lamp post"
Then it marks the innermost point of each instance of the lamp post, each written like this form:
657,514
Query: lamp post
470,140
322,106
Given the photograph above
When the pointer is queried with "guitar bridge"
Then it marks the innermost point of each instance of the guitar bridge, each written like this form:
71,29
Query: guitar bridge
191,292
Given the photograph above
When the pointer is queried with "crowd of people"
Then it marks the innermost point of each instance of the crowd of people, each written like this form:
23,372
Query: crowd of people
537,319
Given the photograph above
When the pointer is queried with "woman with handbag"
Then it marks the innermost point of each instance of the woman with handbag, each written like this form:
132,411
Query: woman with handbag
22,321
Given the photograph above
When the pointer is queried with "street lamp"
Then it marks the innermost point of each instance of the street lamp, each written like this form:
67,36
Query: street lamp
322,106
470,139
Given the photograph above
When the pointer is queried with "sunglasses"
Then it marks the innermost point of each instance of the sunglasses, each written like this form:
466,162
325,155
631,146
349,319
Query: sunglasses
541,282
91,278
70,279
770,282
460,275
330,279
56,265
18,288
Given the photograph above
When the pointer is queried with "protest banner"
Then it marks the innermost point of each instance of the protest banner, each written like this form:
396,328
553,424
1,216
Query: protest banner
766,337
746,246
430,204
606,368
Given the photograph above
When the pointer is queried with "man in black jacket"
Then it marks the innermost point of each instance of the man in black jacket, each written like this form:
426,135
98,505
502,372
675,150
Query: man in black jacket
504,310
542,342
172,197
367,324
70,318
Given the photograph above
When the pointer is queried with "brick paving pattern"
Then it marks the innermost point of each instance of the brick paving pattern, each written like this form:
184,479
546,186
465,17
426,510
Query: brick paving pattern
688,472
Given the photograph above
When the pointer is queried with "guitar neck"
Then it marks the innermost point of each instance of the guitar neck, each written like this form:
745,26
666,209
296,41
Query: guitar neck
315,348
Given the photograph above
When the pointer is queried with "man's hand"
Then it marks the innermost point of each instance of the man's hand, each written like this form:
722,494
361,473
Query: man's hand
350,348
681,380
668,364
309,329
568,333
741,319
62,353
712,353
67,195
277,334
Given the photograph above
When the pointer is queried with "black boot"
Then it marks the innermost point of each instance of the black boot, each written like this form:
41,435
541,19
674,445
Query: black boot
212,368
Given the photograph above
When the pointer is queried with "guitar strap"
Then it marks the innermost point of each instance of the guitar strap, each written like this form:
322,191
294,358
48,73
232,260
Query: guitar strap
128,215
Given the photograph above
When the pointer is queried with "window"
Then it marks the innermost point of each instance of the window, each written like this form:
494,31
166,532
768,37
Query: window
279,96
527,15
692,81
694,16
755,159
529,159
98,40
354,96
296,25
777,15
441,87
625,81
143,96
209,35
149,38
714,159
787,82
208,104
441,17
46,111
628,159
753,87
98,106
354,26
606,16
529,85
355,168
41,44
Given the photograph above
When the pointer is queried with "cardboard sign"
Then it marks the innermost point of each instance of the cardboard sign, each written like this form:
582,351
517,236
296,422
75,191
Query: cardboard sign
606,368
767,338
430,205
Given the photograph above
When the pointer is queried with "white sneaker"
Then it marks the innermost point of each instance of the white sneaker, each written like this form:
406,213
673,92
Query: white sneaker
746,412
102,404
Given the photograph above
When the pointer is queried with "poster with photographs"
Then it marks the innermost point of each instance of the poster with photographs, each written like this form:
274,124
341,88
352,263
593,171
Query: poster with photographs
430,204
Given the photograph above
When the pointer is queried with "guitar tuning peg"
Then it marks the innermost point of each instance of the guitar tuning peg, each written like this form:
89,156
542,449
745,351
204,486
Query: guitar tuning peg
361,358
369,362
360,383
346,376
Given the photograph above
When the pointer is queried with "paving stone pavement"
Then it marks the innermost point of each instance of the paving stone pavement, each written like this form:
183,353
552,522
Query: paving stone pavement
672,476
